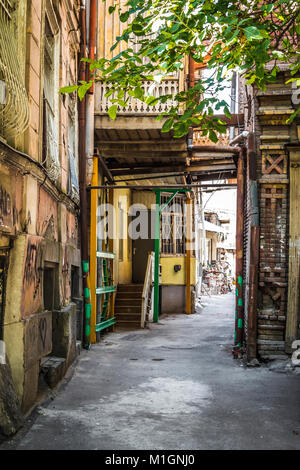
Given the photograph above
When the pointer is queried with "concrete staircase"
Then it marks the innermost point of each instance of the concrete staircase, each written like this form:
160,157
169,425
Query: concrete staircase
128,305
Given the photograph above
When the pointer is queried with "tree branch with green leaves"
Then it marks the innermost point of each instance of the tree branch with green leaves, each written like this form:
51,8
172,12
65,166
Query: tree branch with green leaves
242,36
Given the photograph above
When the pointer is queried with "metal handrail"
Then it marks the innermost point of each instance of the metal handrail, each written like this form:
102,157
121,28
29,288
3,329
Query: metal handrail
147,284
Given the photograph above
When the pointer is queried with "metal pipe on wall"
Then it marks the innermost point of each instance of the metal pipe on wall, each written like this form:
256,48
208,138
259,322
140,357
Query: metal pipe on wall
82,181
92,170
90,96
188,308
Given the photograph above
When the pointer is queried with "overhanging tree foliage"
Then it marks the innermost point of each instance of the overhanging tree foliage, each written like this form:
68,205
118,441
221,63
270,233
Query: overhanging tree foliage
242,36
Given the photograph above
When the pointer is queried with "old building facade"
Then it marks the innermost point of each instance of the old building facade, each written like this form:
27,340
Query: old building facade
271,182
40,256
134,163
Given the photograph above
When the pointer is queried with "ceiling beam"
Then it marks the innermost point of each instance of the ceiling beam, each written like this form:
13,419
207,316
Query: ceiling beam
162,186
137,146
143,155
188,170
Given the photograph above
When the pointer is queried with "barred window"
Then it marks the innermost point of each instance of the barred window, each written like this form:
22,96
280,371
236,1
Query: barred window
173,224
121,232
73,149
50,106
14,106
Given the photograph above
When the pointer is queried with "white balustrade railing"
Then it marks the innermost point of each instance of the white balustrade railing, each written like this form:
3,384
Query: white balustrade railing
200,139
135,106
148,290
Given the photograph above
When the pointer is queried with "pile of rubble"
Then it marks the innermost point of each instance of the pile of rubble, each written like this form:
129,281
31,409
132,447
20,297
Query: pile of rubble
216,279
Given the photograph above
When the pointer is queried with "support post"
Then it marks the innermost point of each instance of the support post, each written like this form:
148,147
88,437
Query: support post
293,306
188,307
82,183
252,312
239,312
93,250
111,249
156,258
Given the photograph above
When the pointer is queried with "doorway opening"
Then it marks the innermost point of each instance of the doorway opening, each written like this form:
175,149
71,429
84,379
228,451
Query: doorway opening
217,242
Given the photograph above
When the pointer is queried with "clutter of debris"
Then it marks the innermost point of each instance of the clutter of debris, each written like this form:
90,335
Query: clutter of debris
217,279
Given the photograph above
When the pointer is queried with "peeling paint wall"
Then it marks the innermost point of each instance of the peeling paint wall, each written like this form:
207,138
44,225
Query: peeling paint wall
267,114
38,214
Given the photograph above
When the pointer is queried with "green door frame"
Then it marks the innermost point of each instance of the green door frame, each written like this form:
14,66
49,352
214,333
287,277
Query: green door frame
158,210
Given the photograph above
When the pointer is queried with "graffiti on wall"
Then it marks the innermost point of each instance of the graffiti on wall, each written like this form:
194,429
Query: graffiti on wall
72,228
9,214
37,337
32,276
66,276
47,216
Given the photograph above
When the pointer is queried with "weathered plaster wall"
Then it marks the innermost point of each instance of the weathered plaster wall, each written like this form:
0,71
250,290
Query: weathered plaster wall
267,114
122,269
173,299
168,274
38,217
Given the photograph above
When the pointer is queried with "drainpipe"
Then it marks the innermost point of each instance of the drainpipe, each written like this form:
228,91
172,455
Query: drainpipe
82,182
239,138
204,255
92,172
188,307
90,97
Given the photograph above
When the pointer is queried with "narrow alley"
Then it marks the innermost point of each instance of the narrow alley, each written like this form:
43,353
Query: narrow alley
172,386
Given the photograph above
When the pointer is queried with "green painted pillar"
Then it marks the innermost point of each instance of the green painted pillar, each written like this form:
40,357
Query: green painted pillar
87,306
156,258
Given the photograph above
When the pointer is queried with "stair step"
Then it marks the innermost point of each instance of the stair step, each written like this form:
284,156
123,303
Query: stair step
128,317
129,295
130,288
127,309
271,327
128,323
127,302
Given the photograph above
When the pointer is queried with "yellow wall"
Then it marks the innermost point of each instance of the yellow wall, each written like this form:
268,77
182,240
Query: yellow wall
169,276
147,198
212,236
13,331
122,269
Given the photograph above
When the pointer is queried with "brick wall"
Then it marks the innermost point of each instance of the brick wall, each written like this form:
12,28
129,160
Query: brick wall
269,111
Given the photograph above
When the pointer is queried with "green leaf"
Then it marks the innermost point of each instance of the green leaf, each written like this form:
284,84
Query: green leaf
151,101
292,116
137,29
124,16
227,113
180,129
68,89
138,92
252,32
112,111
111,9
213,136
167,126
83,89
251,80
